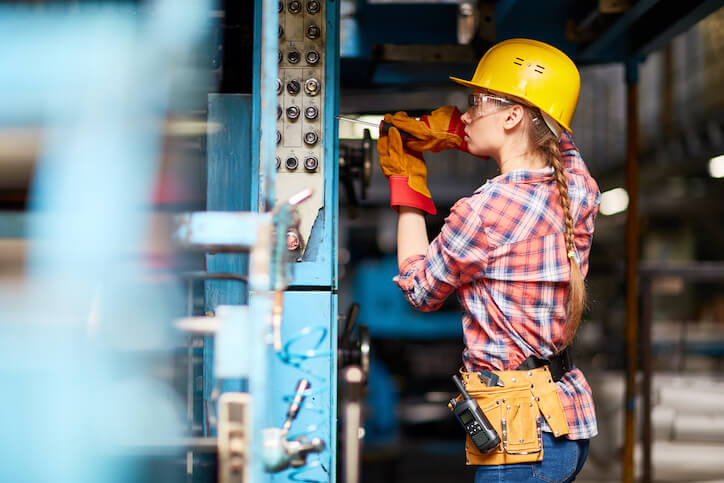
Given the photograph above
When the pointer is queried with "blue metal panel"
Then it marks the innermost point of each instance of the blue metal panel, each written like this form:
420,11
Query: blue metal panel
309,351
319,266
228,188
384,309
309,320
264,102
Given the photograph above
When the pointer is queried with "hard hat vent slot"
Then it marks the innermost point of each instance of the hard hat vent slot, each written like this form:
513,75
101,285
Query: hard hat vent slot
518,61
539,68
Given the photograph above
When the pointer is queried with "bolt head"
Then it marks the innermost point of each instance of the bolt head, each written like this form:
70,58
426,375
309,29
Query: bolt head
292,241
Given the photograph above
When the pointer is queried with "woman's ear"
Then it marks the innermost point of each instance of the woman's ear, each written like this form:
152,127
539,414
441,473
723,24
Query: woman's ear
513,116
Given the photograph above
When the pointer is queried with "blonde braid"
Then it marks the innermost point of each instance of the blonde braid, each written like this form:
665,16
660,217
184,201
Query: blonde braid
547,143
577,288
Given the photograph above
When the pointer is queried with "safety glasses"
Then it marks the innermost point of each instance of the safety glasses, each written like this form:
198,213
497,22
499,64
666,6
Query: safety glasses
482,103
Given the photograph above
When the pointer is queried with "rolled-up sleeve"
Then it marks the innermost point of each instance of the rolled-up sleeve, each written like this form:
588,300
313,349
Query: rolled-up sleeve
455,257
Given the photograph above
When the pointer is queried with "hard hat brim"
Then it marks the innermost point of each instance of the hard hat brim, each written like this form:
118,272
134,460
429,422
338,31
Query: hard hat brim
465,83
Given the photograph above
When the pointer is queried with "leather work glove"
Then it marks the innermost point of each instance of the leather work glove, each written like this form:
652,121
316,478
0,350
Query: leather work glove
440,130
406,171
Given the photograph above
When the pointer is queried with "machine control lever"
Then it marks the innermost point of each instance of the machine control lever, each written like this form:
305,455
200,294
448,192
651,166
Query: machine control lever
293,410
281,453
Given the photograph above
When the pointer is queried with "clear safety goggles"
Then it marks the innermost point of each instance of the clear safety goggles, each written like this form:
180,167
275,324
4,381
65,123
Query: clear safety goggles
483,103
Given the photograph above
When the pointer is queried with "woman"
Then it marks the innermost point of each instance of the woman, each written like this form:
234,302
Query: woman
516,252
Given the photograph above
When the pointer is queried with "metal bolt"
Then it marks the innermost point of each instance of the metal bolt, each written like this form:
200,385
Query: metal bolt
513,379
281,6
280,57
281,31
279,137
548,416
279,86
293,87
311,163
312,57
291,163
313,6
293,56
292,241
311,87
311,112
530,373
311,137
293,112
295,6
279,112
313,32
279,162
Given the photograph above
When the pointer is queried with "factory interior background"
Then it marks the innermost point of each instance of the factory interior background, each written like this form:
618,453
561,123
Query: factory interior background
196,255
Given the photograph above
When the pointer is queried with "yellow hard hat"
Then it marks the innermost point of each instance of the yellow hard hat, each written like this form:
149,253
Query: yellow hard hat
533,71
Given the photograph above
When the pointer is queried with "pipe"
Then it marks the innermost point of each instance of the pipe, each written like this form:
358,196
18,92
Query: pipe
632,259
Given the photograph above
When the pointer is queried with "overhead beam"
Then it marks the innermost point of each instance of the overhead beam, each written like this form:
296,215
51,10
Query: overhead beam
682,22
619,27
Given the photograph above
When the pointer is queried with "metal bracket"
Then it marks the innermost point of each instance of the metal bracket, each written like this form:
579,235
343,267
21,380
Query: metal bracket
234,438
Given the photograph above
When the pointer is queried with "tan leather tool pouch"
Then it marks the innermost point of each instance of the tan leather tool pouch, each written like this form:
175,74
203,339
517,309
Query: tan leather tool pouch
516,411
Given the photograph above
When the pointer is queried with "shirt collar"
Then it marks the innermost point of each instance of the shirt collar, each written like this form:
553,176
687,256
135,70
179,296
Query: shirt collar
522,176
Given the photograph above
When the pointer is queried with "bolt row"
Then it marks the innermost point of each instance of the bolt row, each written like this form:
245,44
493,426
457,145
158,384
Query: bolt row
311,87
310,137
295,6
293,57
311,163
310,112
312,32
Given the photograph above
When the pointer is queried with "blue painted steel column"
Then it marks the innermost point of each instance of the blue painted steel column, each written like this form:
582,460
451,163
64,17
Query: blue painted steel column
228,172
265,72
309,322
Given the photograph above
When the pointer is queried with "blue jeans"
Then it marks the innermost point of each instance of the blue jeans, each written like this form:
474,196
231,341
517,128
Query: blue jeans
562,460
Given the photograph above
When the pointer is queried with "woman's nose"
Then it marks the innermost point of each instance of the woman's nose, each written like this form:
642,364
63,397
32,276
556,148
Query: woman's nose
465,118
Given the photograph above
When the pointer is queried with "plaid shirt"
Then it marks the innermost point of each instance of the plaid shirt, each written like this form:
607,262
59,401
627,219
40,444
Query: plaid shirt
503,250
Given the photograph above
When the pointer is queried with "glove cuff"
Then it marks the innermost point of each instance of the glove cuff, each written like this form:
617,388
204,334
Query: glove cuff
402,195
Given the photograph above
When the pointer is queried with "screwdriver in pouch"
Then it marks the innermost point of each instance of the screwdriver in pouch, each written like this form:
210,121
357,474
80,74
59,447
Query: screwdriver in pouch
383,127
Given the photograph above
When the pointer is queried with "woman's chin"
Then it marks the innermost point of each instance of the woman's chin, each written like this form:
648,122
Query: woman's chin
473,149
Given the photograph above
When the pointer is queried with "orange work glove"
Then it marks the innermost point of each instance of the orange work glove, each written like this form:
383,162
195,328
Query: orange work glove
406,170
440,130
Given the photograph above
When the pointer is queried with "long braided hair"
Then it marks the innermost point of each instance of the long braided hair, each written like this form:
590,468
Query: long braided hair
546,142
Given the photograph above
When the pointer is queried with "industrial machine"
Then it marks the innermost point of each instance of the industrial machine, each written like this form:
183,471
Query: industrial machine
198,330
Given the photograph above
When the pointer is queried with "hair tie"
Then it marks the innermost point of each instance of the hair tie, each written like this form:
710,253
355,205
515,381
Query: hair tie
571,255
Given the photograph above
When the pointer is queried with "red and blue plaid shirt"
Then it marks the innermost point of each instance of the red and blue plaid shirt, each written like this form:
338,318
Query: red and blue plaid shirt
503,250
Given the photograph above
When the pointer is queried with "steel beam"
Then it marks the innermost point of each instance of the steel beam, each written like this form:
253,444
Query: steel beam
619,27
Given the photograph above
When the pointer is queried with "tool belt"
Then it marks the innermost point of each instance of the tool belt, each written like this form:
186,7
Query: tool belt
516,409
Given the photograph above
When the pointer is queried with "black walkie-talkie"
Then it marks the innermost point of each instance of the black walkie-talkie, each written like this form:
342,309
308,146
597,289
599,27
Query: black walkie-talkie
473,421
